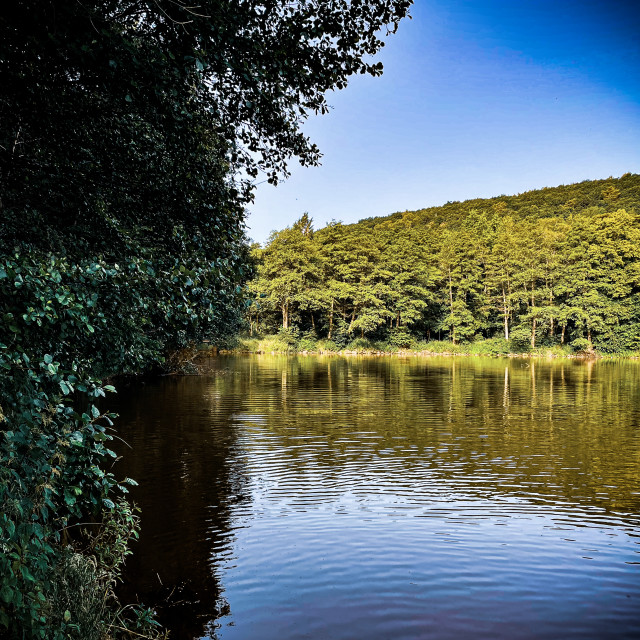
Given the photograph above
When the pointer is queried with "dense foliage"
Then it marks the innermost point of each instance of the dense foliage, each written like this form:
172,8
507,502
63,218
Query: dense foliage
558,266
130,133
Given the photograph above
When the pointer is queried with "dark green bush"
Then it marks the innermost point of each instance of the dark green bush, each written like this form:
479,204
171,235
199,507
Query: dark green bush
308,341
289,336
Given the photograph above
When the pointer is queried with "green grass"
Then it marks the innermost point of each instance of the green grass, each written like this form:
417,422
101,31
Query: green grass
279,343
265,344
291,343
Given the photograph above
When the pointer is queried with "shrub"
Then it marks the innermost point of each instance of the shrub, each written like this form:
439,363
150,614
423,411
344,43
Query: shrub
327,345
360,345
444,346
520,339
491,347
308,341
400,338
288,336
581,345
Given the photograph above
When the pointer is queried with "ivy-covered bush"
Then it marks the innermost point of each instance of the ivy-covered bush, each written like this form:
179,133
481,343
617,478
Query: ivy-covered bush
65,325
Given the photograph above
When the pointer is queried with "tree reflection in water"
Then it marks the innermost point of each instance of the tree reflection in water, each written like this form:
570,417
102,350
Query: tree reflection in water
190,479
275,447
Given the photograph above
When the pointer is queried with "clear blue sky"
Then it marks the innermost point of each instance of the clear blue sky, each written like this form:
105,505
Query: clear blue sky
478,98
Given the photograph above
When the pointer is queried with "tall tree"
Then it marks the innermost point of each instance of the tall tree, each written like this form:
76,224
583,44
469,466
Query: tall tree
290,268
131,134
501,270
461,282
408,257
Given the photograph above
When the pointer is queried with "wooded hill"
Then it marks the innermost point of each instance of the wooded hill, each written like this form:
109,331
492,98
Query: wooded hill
555,266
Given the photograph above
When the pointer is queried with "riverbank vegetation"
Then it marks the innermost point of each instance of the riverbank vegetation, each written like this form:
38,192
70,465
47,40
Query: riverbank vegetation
291,342
130,137
553,269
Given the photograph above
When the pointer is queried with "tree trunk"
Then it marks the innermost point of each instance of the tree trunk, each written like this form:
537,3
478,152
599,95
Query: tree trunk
509,296
533,324
353,317
453,329
533,300
505,311
533,334
285,315
564,326
331,321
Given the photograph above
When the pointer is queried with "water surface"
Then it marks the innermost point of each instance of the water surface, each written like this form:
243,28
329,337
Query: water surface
388,498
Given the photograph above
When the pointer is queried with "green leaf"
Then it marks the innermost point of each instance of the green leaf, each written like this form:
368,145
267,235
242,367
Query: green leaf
6,593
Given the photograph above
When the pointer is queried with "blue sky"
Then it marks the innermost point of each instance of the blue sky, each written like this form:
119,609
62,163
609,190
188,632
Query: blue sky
478,98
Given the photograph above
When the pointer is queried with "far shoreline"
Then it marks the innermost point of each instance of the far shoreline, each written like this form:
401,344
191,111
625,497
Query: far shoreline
409,353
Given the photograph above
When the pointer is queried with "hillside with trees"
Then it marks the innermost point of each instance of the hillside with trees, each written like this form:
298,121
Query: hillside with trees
551,268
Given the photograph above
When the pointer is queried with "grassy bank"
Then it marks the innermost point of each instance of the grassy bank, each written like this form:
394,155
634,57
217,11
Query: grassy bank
290,343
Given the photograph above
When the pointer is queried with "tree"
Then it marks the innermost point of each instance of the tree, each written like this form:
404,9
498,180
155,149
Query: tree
461,282
502,268
411,273
290,268
335,247
131,132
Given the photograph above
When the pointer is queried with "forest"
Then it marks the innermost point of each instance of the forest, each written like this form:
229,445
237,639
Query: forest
555,268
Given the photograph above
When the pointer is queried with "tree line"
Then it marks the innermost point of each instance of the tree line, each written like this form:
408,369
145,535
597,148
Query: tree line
556,266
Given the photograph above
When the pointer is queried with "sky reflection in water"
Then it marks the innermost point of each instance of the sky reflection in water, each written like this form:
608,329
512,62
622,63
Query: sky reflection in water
388,498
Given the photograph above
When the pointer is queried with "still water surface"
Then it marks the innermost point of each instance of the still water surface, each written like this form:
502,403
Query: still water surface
388,498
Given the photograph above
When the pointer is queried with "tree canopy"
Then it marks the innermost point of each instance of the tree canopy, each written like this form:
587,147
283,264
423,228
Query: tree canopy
131,135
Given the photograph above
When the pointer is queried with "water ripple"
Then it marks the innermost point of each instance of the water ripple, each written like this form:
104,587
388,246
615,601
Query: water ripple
378,499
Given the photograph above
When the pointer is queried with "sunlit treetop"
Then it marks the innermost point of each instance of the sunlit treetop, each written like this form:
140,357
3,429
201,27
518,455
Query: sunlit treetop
259,68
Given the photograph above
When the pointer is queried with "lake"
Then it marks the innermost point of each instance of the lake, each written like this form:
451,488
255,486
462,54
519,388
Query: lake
373,498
